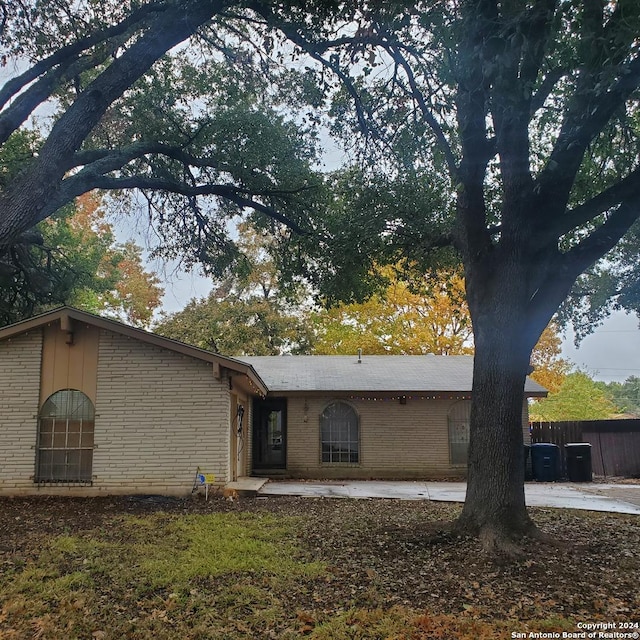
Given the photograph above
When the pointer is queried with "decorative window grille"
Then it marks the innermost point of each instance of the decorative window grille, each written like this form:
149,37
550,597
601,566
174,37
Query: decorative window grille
339,434
459,417
65,438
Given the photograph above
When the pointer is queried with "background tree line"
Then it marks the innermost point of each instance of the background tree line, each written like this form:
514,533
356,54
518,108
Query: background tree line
249,314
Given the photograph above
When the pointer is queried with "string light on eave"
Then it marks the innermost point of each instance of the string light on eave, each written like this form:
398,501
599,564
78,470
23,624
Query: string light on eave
406,397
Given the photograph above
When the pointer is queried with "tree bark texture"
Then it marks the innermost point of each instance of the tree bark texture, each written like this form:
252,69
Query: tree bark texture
495,506
495,503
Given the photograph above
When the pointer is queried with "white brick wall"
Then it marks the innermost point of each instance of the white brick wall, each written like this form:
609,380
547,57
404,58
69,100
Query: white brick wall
159,415
410,440
396,440
20,359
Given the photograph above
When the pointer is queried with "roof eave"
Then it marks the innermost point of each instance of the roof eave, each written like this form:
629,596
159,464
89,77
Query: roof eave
154,339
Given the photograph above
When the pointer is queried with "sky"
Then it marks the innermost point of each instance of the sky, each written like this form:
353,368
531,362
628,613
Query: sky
611,353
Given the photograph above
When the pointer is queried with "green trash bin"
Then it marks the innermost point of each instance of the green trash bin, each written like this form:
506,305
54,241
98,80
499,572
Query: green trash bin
578,455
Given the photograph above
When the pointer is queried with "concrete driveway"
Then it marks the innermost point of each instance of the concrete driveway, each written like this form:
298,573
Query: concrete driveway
615,498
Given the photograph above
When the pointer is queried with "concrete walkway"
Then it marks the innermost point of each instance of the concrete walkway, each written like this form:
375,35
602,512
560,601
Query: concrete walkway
614,498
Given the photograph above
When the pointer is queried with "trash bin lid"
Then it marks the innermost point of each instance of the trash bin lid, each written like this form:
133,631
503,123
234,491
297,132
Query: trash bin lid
577,444
545,445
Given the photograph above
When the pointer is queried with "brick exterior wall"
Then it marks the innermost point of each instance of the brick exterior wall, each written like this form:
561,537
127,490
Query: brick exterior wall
19,396
396,441
159,415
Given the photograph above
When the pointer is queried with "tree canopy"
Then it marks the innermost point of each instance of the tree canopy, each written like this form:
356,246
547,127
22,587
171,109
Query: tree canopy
429,317
75,260
625,395
246,314
198,128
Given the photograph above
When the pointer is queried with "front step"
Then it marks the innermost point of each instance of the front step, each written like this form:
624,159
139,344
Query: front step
247,487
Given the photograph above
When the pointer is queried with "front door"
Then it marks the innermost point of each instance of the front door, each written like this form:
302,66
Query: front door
270,434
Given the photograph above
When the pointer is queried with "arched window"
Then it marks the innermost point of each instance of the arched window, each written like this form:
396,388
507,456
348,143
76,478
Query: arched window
339,433
459,416
65,438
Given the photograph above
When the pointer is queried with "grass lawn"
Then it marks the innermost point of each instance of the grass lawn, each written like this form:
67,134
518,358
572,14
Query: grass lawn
292,567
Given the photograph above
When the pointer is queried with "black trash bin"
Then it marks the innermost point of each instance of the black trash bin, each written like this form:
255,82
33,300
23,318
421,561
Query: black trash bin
578,461
545,461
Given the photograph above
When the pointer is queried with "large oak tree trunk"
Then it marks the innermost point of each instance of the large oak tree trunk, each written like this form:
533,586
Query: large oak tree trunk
495,508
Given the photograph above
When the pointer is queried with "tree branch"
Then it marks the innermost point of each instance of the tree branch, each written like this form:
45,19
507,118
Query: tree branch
434,125
360,108
25,202
365,119
63,55
241,197
101,161
513,68
15,115
604,238
546,87
591,108
626,189
561,270
478,26
536,28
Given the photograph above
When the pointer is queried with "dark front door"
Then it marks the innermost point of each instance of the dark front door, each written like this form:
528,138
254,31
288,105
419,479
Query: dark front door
270,434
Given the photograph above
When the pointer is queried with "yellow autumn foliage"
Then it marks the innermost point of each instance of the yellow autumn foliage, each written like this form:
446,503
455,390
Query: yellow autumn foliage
430,317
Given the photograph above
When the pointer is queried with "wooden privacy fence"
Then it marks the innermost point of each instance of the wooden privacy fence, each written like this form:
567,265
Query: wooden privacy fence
615,444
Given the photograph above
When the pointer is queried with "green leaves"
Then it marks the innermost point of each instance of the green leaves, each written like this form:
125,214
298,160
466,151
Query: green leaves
363,220
579,398
247,314
214,142
72,258
625,395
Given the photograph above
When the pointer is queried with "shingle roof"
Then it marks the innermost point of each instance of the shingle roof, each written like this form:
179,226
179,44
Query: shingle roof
422,374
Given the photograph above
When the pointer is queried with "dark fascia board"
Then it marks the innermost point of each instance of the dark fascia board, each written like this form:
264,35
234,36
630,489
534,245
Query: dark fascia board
63,313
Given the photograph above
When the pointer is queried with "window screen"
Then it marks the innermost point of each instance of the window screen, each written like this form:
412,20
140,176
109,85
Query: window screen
459,416
339,434
65,438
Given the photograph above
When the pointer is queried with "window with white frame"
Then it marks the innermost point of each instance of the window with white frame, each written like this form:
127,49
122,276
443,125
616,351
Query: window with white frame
65,438
458,418
339,434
